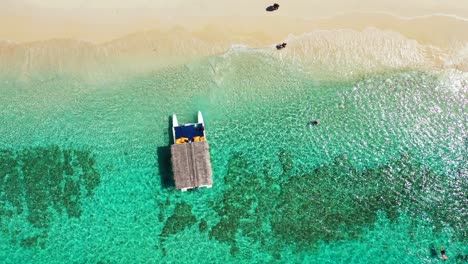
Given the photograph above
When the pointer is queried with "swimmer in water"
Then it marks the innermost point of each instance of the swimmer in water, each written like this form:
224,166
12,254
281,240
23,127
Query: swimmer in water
314,123
442,252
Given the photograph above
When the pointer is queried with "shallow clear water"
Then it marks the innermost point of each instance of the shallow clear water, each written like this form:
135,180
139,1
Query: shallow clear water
86,174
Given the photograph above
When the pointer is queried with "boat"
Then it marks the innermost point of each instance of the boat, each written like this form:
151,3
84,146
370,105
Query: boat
189,132
190,155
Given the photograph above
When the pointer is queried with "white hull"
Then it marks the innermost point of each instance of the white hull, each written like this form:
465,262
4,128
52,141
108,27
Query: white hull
175,123
200,118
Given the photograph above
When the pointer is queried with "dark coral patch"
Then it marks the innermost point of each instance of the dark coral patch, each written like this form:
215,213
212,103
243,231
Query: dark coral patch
318,205
247,203
181,219
41,180
71,198
335,201
89,176
332,202
10,183
33,241
203,226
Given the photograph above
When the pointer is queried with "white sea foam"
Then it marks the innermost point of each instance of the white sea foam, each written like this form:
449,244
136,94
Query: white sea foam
324,53
349,52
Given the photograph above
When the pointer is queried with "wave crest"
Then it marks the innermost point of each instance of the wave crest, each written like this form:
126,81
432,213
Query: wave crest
322,53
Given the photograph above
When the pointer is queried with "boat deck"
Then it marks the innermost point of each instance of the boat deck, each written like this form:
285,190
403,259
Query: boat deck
191,165
190,153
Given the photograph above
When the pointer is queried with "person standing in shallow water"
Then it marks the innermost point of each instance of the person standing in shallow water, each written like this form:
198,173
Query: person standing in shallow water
442,252
281,46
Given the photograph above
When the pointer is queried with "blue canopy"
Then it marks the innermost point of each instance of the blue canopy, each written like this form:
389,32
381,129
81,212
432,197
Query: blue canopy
189,131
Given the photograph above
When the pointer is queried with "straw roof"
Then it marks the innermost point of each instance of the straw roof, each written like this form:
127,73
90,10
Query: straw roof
191,165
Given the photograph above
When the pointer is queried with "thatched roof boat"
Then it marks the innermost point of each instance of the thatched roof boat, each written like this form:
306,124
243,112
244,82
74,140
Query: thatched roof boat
190,155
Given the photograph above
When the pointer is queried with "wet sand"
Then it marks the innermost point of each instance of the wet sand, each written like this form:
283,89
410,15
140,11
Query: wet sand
178,32
422,20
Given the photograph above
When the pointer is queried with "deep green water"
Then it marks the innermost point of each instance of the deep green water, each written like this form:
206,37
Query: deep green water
85,174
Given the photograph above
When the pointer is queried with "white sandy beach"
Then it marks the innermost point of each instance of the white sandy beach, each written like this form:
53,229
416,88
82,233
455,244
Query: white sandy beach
66,35
101,21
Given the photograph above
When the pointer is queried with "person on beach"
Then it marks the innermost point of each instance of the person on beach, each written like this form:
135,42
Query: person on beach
272,8
442,252
281,46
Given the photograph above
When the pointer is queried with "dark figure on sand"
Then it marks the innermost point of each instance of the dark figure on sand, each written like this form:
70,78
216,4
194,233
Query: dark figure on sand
281,46
272,8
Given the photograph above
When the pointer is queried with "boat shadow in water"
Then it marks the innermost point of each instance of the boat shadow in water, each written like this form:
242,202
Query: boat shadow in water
164,159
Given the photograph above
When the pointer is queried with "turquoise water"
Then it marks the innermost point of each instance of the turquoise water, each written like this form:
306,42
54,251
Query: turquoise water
86,176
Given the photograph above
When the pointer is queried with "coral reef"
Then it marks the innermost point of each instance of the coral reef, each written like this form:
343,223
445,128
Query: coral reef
181,219
332,202
39,180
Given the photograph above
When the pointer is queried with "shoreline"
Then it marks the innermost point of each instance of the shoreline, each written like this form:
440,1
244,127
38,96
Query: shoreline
438,30
345,42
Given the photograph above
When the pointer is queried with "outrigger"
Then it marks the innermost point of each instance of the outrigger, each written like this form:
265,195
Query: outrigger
190,155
